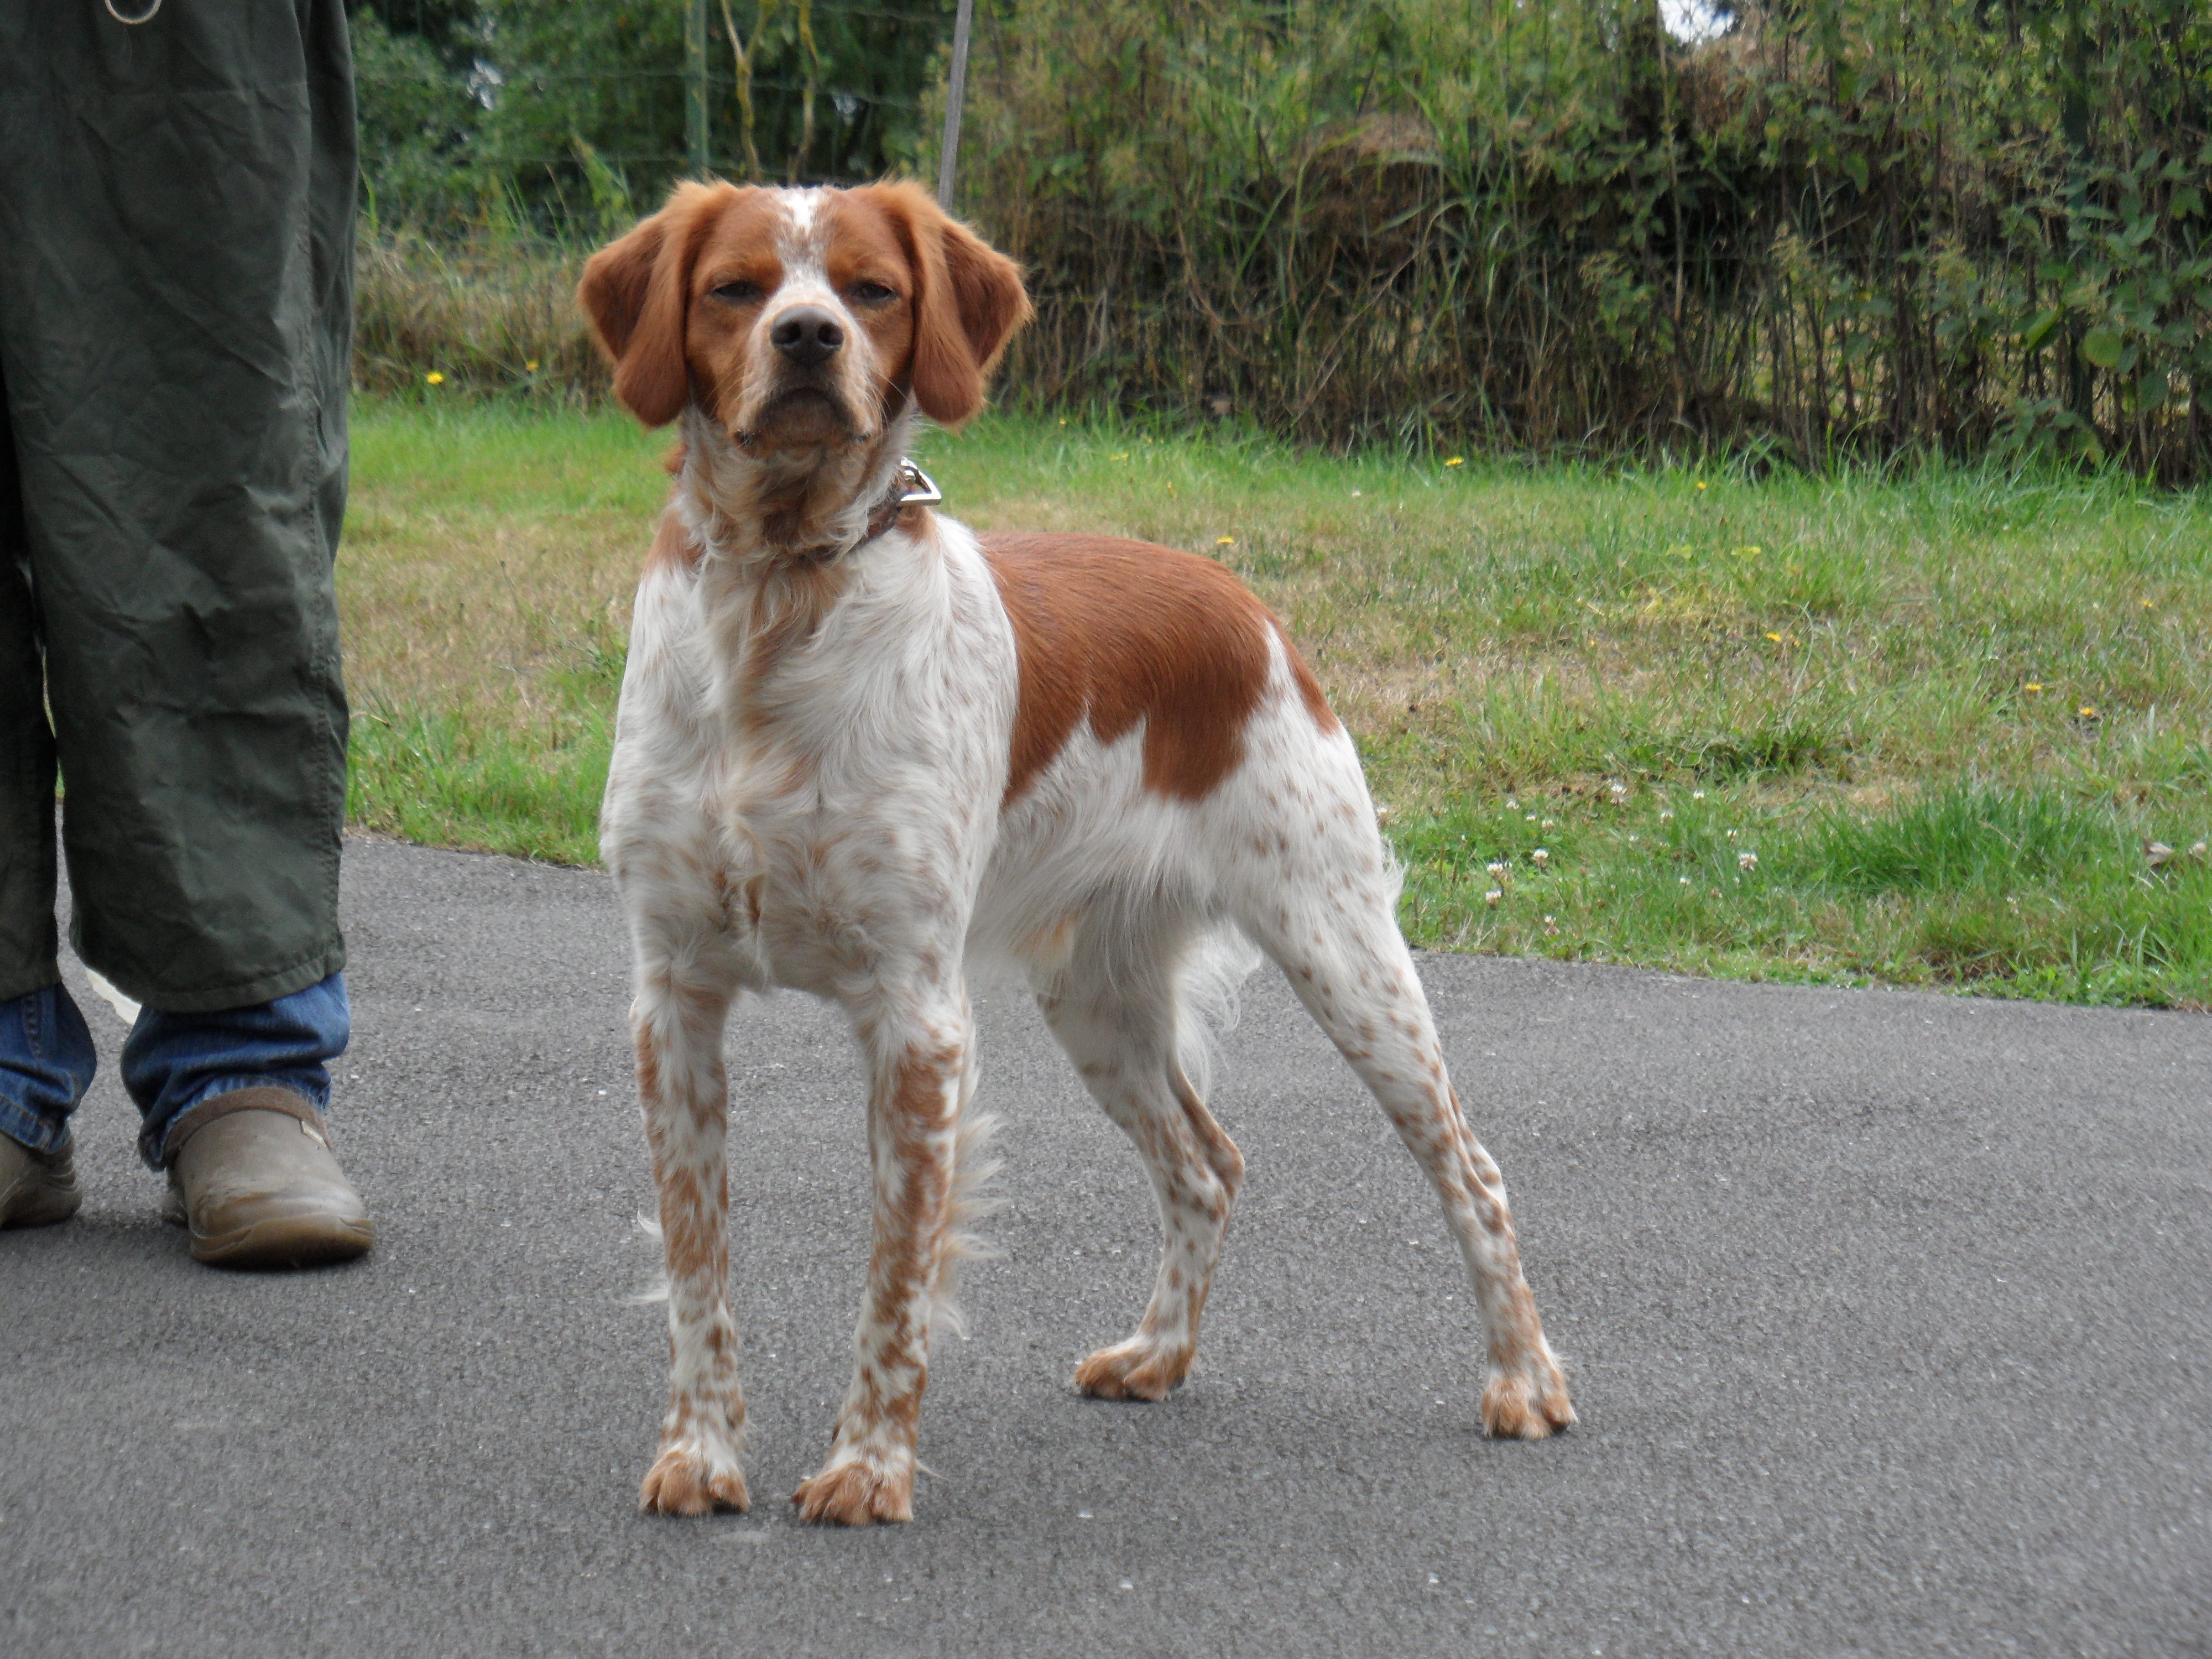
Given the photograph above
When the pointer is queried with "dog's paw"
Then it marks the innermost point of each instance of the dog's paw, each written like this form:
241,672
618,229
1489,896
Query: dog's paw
857,1492
1138,1368
1528,1401
689,1479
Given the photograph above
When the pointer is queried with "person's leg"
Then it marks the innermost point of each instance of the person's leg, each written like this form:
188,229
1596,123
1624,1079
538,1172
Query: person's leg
27,941
45,1052
233,1102
46,1066
175,288
176,246
180,1067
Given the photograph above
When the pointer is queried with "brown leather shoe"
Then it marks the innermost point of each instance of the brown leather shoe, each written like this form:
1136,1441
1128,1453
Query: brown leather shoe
252,1175
36,1189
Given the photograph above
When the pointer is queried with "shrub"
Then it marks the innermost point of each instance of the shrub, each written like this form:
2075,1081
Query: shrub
1845,225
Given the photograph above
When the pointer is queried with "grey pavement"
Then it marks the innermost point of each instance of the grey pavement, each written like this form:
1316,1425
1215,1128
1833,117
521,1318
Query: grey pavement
1887,1316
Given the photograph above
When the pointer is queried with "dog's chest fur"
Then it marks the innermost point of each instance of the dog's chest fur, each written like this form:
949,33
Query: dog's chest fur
825,749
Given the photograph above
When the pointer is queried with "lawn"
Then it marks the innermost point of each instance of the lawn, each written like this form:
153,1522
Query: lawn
1935,729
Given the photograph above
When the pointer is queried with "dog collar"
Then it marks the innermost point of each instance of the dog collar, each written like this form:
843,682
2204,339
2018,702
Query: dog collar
910,487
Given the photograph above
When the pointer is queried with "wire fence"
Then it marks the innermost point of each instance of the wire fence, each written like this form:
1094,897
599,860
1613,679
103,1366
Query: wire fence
461,100
1855,228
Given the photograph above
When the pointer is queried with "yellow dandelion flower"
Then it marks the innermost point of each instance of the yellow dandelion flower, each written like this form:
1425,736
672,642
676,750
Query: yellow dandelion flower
2088,711
434,378
1457,461
1701,484
1777,638
1225,541
2032,686
530,367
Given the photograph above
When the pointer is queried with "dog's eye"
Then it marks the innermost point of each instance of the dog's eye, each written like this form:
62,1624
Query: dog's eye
870,294
738,294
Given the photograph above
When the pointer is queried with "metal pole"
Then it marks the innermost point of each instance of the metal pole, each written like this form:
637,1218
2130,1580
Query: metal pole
948,161
695,84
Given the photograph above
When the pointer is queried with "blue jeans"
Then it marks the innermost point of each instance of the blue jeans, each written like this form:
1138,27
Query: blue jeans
171,1062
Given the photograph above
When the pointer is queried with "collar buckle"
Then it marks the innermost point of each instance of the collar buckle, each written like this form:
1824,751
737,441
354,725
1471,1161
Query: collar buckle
918,487
910,487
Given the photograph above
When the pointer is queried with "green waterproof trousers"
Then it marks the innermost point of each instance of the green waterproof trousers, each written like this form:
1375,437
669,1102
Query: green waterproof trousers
176,317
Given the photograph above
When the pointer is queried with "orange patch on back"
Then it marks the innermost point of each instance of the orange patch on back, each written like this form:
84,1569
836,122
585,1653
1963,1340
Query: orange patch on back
1124,631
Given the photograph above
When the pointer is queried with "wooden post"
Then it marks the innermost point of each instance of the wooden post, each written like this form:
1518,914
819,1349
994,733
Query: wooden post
956,89
695,85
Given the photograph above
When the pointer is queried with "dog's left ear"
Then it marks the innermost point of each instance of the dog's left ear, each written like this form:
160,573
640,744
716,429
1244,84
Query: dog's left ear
969,299
637,293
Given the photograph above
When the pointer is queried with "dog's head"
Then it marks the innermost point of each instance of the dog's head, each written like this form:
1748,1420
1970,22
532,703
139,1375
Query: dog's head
801,321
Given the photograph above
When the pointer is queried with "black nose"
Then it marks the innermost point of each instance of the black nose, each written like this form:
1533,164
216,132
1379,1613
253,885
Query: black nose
807,334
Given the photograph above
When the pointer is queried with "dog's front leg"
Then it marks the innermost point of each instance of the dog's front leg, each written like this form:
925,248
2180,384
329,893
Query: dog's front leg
678,1026
916,1061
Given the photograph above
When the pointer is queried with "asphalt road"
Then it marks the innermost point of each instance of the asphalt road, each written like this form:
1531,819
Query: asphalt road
1887,1318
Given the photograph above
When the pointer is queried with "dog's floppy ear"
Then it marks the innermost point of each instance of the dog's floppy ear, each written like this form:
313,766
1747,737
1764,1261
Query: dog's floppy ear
969,299
637,293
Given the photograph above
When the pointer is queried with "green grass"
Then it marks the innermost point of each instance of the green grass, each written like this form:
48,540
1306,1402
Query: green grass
435,778
484,583
1943,710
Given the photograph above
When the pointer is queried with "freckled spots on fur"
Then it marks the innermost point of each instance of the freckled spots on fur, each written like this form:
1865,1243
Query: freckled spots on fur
910,1122
787,608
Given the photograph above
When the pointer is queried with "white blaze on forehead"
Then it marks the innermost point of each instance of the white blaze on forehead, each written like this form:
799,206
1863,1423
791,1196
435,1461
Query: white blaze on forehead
799,207
801,248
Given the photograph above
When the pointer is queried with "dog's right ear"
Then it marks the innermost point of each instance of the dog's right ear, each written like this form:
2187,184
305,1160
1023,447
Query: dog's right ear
637,294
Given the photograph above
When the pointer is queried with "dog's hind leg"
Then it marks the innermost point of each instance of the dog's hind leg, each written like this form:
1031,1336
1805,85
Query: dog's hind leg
917,1048
686,977
1118,1021
1325,910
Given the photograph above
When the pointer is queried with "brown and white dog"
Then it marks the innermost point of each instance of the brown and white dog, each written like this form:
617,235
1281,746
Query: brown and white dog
861,748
